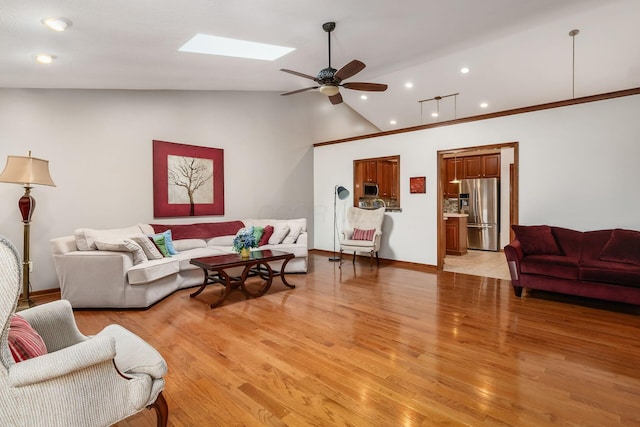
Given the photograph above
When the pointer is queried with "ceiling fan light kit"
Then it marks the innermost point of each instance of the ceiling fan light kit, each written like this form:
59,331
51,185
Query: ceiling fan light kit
329,80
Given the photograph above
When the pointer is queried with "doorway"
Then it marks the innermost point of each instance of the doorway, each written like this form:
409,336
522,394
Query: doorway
481,262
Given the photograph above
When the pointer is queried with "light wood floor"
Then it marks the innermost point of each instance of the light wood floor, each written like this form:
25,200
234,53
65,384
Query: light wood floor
391,347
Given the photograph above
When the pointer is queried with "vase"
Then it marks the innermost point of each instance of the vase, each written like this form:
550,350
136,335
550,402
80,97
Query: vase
245,252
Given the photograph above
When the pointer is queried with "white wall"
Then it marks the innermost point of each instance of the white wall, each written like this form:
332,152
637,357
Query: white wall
578,169
99,144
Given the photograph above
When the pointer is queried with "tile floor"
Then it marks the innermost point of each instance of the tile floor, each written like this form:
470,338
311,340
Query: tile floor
479,263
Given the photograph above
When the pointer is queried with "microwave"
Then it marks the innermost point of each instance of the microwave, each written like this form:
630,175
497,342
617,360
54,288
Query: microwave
370,189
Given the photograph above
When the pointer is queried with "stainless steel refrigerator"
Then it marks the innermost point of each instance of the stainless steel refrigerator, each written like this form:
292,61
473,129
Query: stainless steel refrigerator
479,198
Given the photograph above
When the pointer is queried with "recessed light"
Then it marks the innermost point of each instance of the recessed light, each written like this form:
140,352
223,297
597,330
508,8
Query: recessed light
393,122
214,45
45,58
464,70
363,96
434,114
408,85
57,24
484,105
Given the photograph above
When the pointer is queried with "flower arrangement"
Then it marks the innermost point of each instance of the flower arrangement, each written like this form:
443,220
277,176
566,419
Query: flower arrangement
245,239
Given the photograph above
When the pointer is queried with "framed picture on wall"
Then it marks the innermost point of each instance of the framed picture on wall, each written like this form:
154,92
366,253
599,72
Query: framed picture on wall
187,180
417,184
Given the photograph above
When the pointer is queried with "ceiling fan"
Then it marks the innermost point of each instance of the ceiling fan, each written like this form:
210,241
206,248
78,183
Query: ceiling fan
330,80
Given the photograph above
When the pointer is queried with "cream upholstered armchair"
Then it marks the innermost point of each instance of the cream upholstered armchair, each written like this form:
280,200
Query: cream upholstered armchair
363,233
80,380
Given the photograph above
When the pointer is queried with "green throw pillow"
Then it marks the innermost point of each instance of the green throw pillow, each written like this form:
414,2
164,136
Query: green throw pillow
158,239
257,233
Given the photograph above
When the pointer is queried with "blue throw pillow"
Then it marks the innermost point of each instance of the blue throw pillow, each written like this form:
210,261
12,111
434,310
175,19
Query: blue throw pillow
168,241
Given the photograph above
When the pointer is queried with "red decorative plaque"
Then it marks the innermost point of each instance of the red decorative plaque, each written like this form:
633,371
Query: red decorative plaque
417,184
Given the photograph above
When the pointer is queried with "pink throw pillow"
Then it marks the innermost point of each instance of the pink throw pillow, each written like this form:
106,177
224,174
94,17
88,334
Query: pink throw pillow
24,341
363,234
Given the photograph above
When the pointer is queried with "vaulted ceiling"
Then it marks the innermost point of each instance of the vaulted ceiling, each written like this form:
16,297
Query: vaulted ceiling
518,52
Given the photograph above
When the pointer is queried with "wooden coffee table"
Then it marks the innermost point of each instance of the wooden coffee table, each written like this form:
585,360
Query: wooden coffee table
256,265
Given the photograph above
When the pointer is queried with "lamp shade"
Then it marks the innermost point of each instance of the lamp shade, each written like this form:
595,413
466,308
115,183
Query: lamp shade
329,89
342,192
26,171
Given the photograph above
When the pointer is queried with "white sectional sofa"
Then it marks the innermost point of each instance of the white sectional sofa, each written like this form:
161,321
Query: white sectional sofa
120,278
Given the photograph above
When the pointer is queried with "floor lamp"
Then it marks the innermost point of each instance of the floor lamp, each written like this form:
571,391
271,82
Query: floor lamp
26,171
339,192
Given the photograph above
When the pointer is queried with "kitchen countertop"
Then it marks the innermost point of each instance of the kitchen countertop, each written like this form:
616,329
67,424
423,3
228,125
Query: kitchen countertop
449,214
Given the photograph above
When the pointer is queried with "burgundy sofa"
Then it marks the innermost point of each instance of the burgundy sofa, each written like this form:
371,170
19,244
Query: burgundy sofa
603,264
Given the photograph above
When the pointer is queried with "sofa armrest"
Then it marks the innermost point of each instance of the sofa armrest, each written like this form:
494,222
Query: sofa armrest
514,254
346,234
87,276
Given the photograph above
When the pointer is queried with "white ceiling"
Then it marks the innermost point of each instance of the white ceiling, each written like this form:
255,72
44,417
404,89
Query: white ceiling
519,51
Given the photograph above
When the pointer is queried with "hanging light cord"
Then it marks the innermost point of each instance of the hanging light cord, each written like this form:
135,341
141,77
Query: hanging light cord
573,34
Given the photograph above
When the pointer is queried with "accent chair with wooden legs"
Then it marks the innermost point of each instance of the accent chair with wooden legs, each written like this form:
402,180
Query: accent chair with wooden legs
62,377
364,232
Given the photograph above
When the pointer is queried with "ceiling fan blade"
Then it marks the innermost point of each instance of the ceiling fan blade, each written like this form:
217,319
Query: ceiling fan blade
369,87
295,73
351,69
299,90
336,99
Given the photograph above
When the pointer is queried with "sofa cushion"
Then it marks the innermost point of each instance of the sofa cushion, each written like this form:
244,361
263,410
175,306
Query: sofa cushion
185,257
280,231
124,245
205,230
292,236
623,246
536,239
221,241
617,273
24,341
150,249
550,265
268,232
152,270
569,241
86,237
186,244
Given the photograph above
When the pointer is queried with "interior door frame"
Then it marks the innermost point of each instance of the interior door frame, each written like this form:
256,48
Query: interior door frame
513,189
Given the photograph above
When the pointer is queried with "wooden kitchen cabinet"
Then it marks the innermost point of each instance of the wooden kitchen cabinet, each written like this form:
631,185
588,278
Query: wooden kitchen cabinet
385,178
453,168
456,235
383,171
370,171
491,166
484,166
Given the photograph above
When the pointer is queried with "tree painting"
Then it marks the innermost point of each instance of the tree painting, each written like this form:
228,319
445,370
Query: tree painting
190,181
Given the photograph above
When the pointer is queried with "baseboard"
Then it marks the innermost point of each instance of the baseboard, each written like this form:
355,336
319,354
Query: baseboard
425,268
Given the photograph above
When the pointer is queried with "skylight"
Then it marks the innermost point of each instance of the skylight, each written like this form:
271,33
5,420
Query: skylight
214,45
